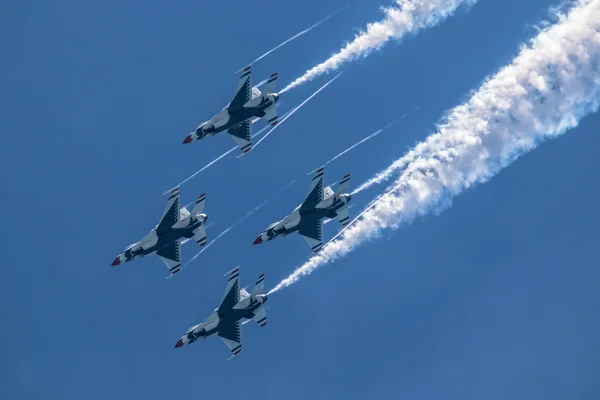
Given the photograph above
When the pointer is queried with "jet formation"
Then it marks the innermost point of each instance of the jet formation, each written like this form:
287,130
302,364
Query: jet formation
178,224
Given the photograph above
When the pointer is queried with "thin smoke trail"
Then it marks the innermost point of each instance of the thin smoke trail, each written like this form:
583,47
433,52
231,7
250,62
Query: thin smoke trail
226,230
549,86
231,150
406,17
363,140
296,36
245,217
297,108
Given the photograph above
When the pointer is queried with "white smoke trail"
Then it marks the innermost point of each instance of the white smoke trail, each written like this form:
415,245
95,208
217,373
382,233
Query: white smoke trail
551,84
296,109
296,36
371,136
406,17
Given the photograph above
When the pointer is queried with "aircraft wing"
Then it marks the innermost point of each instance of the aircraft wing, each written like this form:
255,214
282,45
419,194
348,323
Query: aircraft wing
170,256
258,287
315,193
260,316
231,334
270,115
310,230
232,292
200,235
342,215
171,214
242,135
243,91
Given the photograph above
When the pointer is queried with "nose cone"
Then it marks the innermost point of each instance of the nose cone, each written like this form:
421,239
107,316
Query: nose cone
188,139
258,240
117,261
179,344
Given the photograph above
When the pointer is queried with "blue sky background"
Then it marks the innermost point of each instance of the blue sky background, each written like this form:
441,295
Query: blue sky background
495,298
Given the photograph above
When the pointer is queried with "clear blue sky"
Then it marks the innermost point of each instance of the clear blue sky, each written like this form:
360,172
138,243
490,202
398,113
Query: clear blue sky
496,298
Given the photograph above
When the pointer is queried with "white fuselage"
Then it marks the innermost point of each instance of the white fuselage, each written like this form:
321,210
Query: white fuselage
294,218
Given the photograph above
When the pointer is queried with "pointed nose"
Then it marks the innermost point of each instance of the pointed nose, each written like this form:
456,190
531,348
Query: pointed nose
179,344
117,261
188,139
258,240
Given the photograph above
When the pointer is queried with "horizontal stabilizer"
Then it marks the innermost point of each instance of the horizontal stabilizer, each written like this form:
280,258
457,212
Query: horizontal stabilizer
271,116
260,316
258,287
342,215
343,186
200,235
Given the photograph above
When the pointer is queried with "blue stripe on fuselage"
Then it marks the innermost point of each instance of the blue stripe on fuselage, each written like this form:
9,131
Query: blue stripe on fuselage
172,235
318,213
243,114
236,315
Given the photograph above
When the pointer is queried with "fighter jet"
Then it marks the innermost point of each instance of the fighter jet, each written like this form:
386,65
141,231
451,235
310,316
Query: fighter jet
236,118
307,218
225,321
164,240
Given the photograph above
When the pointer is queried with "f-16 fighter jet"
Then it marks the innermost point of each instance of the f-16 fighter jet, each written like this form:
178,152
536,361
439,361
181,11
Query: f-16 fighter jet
164,240
236,118
225,321
307,218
